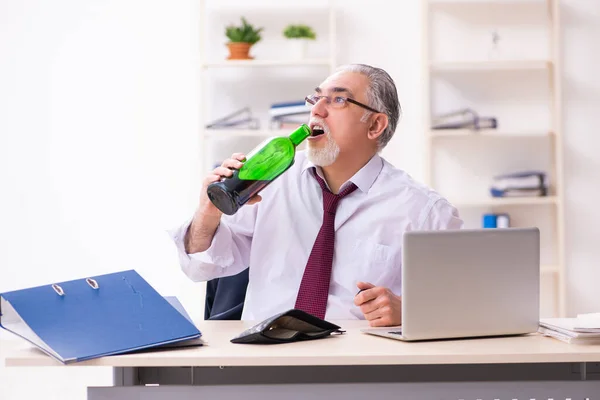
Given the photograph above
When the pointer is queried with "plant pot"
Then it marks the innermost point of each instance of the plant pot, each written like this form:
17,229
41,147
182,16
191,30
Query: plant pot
298,48
239,51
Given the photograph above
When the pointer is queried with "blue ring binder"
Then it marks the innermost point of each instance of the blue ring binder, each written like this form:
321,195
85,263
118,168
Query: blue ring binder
77,321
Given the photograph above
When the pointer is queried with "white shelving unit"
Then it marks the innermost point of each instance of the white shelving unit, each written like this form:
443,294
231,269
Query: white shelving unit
233,133
267,63
487,133
517,81
515,201
474,66
272,72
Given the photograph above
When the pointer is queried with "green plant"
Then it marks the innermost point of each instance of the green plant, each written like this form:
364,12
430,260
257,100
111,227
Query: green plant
299,31
246,33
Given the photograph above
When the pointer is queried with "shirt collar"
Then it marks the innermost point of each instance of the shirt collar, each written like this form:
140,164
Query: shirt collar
363,179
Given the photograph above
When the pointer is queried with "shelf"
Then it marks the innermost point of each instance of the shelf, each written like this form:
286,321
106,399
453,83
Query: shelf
494,133
549,269
485,3
489,5
517,201
270,5
233,133
268,63
473,66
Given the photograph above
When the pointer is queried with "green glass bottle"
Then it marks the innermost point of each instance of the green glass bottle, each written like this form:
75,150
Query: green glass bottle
262,165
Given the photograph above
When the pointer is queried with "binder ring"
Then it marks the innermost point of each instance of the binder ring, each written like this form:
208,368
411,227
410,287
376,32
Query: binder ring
58,290
92,283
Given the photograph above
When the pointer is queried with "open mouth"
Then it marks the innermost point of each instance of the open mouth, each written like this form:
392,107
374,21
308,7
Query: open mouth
317,131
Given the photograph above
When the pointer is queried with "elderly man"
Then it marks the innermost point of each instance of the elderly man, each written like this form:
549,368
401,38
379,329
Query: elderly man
326,236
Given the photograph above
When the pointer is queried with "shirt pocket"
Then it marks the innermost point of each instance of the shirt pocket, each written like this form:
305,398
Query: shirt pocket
373,262
371,251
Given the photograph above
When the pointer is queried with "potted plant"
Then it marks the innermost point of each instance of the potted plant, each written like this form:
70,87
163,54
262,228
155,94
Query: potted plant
241,39
300,35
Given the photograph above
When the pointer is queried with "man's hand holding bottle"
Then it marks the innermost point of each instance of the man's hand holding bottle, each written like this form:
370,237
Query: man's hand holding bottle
220,196
206,220
224,170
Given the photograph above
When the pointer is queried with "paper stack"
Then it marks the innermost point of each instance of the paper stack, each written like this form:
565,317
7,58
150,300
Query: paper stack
463,119
523,183
240,119
585,329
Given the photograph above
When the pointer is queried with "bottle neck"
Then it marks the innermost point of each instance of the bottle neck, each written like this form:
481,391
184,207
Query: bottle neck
300,134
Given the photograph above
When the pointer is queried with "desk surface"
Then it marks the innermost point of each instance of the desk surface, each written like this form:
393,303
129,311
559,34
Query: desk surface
351,348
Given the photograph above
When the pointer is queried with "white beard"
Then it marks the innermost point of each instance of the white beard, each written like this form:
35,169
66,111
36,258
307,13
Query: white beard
325,155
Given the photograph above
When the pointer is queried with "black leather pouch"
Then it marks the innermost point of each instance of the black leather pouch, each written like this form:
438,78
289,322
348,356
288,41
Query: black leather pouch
290,326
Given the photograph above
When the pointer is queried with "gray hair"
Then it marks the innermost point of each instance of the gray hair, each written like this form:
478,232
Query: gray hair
381,95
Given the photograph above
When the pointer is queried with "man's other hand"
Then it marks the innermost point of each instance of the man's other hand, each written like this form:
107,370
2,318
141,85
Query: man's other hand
379,305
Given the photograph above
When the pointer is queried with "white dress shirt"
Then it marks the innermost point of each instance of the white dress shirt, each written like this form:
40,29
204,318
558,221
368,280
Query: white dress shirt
275,237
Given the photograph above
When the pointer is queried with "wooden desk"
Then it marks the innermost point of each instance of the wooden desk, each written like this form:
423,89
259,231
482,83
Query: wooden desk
342,362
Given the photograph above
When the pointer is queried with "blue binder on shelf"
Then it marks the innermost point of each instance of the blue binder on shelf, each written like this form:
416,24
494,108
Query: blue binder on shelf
94,317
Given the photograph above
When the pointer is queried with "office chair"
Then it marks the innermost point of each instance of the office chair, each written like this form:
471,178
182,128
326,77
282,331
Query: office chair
225,297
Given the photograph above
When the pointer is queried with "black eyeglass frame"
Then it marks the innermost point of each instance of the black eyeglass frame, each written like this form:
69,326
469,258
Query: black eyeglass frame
310,100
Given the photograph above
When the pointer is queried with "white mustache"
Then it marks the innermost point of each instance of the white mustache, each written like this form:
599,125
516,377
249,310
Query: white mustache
319,121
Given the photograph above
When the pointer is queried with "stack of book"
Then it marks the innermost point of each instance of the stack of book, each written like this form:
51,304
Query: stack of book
520,184
289,115
463,119
585,329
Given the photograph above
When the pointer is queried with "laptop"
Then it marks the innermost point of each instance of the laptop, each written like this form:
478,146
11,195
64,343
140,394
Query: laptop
468,283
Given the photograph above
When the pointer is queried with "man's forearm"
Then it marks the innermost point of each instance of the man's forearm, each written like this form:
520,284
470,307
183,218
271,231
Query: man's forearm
200,233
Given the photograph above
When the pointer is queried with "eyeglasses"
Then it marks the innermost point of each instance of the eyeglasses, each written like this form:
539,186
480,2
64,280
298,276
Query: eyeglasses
336,102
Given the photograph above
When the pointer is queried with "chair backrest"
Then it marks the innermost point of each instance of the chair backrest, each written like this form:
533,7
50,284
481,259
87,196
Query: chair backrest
225,297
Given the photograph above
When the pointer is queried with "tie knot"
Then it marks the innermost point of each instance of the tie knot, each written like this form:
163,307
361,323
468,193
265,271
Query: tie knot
330,200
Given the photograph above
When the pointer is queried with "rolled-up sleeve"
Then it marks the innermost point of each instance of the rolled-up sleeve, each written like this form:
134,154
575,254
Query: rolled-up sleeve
229,252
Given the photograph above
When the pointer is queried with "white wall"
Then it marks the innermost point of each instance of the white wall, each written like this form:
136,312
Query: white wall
99,121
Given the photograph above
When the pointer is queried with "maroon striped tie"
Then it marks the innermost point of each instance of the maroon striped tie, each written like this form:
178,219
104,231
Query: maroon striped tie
314,288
